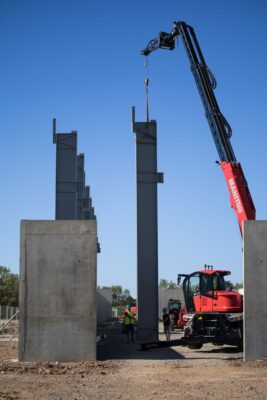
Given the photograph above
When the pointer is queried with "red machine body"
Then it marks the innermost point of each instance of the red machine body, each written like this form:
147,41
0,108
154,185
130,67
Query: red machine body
240,197
213,296
206,291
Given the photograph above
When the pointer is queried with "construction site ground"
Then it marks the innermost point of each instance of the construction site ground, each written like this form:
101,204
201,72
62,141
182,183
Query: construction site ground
124,372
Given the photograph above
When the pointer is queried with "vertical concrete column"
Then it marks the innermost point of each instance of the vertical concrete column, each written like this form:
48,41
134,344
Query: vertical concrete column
89,211
80,186
255,289
147,228
86,209
66,174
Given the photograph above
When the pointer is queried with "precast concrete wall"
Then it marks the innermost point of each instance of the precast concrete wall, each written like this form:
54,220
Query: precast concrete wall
104,304
58,291
255,289
166,294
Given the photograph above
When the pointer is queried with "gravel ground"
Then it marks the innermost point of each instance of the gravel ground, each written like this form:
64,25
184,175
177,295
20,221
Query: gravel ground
124,372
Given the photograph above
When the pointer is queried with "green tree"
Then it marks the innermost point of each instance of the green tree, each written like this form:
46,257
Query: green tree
172,285
116,295
234,286
127,298
165,284
121,297
237,286
9,288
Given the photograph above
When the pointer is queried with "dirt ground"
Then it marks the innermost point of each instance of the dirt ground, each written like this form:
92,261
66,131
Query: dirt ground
124,372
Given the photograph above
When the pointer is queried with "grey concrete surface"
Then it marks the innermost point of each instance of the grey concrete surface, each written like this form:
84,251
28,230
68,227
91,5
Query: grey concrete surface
255,289
147,179
104,304
57,291
66,175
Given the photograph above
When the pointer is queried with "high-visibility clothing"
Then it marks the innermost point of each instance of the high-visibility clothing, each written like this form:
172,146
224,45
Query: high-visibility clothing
129,318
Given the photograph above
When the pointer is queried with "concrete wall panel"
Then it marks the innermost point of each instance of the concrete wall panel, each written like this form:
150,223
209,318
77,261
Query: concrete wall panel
166,294
255,289
58,291
104,304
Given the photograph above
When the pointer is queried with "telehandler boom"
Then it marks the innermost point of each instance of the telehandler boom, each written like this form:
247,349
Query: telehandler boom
240,198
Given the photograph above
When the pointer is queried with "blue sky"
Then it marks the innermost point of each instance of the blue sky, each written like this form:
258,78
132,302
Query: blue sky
79,61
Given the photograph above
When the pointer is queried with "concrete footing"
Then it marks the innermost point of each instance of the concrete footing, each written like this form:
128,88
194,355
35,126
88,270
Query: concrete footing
58,291
255,289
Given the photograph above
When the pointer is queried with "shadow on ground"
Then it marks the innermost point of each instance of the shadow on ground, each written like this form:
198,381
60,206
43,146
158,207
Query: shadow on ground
115,347
224,350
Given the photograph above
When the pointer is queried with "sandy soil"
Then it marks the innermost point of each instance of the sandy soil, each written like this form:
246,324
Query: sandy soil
124,372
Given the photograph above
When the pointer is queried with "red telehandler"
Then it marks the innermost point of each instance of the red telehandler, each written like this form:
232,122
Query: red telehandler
213,313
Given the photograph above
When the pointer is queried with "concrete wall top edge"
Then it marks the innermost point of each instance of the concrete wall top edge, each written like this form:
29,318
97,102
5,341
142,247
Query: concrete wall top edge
258,221
253,228
72,227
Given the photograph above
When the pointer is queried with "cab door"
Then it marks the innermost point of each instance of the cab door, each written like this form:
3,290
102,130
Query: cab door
207,292
192,293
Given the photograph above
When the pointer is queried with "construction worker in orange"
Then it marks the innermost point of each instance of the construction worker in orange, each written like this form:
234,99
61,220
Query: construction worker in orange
129,323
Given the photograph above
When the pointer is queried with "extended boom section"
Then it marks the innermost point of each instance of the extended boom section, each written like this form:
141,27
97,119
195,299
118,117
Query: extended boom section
240,197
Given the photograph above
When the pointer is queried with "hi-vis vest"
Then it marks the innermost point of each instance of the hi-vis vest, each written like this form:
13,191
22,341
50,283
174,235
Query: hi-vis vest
129,318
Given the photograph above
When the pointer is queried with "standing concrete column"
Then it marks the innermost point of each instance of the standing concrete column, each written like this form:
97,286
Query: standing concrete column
147,228
255,288
66,174
87,206
80,185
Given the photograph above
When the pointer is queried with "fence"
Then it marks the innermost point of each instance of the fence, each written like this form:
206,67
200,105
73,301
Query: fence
6,312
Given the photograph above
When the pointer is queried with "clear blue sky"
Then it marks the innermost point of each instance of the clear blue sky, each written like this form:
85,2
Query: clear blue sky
79,61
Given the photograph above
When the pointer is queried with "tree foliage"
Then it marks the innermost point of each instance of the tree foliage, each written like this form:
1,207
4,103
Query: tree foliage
237,286
9,288
165,284
229,285
234,286
121,297
172,285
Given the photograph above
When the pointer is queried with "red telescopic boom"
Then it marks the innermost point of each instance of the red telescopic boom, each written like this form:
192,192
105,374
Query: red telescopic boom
240,198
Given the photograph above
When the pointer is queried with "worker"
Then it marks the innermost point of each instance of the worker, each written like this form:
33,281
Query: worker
129,324
166,324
